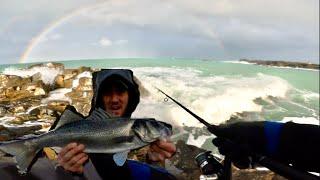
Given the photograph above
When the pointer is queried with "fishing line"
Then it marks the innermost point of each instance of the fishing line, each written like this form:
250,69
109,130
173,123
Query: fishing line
282,169
186,109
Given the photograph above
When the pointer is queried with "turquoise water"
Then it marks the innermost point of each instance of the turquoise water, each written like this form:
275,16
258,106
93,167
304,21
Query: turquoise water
299,78
301,100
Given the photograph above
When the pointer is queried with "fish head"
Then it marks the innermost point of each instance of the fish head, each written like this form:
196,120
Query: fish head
150,130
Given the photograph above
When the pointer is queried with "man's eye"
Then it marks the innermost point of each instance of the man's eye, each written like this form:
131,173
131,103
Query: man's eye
117,90
120,89
107,93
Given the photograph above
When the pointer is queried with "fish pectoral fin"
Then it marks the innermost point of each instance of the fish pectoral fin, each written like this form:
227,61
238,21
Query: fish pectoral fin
120,158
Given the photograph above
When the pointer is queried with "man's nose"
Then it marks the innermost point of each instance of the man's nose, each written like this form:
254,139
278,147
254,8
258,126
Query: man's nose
114,97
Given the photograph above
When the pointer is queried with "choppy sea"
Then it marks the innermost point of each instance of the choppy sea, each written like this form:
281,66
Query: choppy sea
215,90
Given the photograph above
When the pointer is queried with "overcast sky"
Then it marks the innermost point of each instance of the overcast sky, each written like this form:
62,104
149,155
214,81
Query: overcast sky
42,30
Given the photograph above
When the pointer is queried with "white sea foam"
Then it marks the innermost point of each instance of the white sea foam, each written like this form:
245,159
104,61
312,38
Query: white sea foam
75,82
238,62
298,68
47,74
56,95
302,120
213,98
262,169
199,141
32,108
6,119
308,95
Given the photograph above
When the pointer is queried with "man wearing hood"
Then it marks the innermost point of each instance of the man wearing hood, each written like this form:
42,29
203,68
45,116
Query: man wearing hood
117,93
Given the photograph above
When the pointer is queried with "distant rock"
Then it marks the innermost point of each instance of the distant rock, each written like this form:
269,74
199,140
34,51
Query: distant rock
283,64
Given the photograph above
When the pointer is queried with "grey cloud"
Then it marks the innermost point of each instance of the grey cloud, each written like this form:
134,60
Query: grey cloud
178,28
20,21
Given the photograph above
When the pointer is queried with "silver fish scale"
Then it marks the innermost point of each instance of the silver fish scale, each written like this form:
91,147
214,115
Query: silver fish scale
105,136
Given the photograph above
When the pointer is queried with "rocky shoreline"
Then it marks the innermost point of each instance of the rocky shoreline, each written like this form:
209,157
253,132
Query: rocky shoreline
283,64
30,104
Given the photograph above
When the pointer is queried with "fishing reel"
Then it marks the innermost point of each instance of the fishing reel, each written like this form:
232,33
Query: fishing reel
209,165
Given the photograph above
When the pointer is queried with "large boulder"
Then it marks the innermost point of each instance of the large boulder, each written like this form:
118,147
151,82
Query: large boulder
57,105
37,88
15,94
81,95
8,81
13,88
65,80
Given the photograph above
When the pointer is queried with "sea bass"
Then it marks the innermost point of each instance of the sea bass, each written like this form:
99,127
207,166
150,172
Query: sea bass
98,132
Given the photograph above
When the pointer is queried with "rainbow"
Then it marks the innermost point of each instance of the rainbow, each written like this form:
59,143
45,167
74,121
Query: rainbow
58,22
53,25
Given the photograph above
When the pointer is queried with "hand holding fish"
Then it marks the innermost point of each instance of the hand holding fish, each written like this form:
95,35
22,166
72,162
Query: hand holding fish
161,150
72,157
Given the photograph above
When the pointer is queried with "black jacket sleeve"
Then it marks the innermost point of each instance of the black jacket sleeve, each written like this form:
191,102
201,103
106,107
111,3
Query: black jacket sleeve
299,145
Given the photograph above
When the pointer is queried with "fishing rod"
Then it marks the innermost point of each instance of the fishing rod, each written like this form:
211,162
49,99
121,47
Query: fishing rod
275,166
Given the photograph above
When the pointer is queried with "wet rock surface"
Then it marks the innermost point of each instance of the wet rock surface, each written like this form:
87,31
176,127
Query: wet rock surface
28,104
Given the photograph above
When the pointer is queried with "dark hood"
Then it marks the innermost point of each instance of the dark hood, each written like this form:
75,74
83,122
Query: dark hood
125,75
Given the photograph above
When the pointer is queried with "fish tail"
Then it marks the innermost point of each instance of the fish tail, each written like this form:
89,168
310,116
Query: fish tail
24,152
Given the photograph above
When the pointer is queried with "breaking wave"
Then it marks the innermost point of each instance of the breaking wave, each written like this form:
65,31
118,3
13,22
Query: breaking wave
214,98
48,74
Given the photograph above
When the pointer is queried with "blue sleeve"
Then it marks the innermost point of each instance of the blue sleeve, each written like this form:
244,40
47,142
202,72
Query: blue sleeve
143,171
139,171
272,132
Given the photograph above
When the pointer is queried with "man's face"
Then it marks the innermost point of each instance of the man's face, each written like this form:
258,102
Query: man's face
115,99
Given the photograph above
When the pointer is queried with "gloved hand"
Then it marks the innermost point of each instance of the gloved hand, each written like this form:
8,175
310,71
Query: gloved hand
239,141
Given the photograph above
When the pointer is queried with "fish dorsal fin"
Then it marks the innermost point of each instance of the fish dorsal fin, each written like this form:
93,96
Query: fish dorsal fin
69,115
98,114
120,158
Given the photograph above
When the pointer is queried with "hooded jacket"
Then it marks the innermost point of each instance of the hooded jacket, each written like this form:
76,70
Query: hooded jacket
100,81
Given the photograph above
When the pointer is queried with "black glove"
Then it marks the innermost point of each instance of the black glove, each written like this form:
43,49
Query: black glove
241,141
